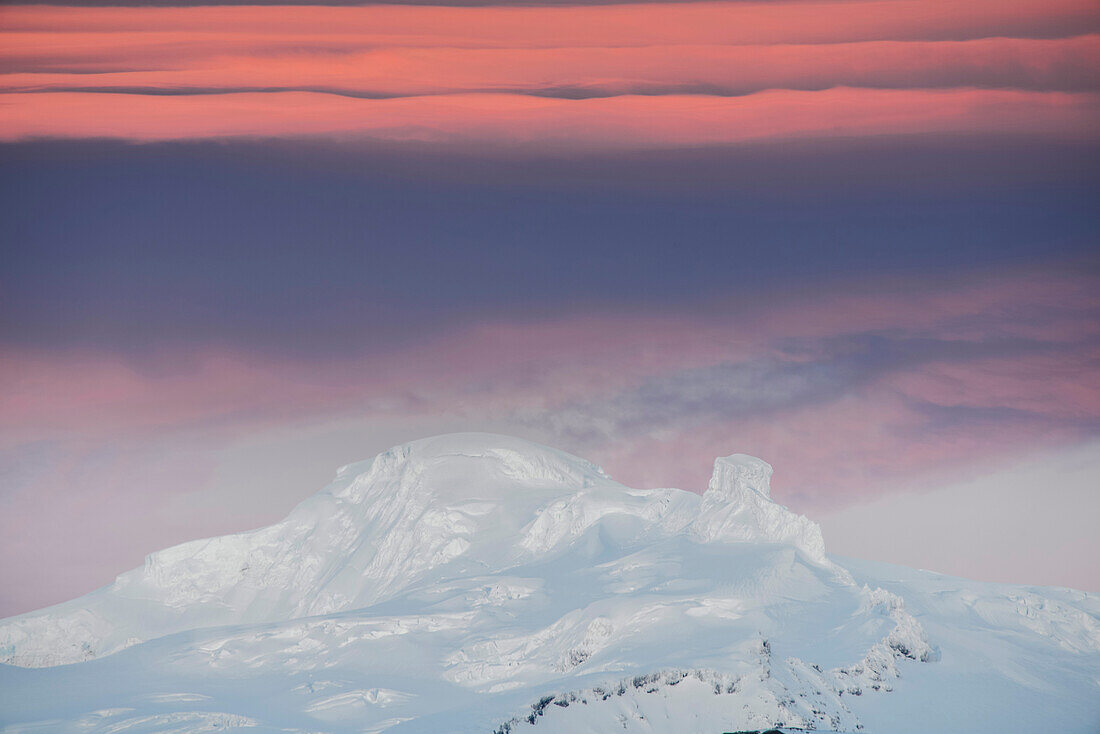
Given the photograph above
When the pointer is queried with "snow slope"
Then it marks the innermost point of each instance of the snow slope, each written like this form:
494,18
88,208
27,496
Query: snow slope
479,583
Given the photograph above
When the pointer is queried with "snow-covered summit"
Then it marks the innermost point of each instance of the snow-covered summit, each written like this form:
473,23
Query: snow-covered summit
474,583
437,506
459,467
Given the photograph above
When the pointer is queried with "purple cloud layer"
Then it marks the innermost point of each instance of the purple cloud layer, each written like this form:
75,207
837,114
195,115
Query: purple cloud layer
853,393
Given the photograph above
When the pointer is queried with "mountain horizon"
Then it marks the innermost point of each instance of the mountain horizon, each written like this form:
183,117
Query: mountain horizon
481,583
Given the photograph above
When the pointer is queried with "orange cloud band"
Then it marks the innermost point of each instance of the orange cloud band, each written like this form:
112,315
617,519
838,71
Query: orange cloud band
623,121
273,69
1043,64
768,22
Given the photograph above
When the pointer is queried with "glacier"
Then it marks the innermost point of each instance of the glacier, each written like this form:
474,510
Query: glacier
482,583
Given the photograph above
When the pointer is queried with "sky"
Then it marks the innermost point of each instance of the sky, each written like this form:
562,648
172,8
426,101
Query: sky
244,244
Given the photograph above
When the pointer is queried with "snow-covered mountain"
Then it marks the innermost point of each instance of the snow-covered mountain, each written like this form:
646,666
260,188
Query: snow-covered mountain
479,583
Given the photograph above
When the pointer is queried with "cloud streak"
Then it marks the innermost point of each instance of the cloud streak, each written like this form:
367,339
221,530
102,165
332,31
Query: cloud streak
606,123
1064,64
603,77
731,23
761,388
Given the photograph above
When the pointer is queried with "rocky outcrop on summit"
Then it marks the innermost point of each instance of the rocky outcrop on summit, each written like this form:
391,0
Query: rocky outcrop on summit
737,506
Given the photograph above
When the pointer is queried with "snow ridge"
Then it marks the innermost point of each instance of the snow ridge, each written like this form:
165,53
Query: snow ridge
796,695
793,694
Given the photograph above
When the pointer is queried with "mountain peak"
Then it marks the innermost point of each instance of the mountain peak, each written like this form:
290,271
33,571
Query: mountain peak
470,466
472,582
418,513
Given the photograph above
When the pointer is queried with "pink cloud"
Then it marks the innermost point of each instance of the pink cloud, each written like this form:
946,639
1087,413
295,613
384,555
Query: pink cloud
853,52
1030,63
829,456
549,363
613,122
1058,386
734,23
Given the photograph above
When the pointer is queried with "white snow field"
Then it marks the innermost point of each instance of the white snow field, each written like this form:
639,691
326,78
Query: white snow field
479,583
